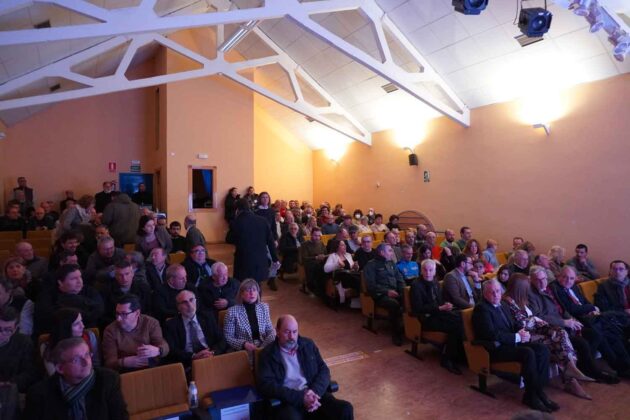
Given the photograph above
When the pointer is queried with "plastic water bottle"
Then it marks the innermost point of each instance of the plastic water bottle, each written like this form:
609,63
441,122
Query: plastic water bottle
193,398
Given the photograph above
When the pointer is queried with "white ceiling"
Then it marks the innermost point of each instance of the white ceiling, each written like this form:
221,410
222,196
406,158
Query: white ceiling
477,56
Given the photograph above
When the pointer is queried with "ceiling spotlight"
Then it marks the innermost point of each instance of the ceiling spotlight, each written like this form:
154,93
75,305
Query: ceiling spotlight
469,7
582,7
534,21
594,18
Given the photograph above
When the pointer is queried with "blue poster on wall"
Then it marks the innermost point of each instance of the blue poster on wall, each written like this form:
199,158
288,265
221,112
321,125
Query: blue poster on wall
139,187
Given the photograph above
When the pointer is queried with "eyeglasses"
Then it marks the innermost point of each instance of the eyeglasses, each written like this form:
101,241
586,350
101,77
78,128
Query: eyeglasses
198,251
80,359
124,315
7,330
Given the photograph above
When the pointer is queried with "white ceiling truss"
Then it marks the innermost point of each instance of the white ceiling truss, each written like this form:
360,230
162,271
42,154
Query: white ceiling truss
140,26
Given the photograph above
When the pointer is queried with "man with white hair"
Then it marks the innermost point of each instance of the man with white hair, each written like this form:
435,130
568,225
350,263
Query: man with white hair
219,293
193,234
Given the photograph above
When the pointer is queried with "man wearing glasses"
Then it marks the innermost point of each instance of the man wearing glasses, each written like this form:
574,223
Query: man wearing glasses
133,341
192,334
458,289
198,266
76,390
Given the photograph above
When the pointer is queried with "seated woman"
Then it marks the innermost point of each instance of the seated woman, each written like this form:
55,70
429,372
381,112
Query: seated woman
503,276
554,337
68,323
426,253
344,270
289,246
310,224
473,250
556,259
17,274
364,226
437,315
149,236
247,324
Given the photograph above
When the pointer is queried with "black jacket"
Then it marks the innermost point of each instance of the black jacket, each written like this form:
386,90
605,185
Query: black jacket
88,301
175,335
271,372
425,298
575,310
491,329
198,274
208,293
154,278
608,297
103,402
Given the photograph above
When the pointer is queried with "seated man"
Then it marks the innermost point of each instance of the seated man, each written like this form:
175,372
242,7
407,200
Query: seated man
329,227
506,341
410,239
133,341
586,338
156,267
385,284
365,253
12,220
585,268
543,261
353,244
69,293
37,266
164,305
392,239
408,267
341,235
17,359
123,284
99,271
457,288
179,241
313,256
490,253
520,262
40,221
613,294
197,265
292,370
219,293
465,234
192,334
378,225
76,391
449,239
437,315
68,242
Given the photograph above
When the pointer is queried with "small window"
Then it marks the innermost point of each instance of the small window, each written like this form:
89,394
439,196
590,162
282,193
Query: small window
201,187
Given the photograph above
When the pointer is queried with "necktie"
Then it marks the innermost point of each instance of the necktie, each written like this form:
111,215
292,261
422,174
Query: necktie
573,297
194,338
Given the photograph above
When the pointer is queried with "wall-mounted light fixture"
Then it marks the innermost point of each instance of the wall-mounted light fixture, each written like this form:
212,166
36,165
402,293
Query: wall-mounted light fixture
413,158
546,127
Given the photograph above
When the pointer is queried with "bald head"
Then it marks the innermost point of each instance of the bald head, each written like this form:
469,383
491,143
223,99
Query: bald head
190,220
287,330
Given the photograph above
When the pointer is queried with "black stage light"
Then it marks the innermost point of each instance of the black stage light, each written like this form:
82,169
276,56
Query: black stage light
535,21
469,7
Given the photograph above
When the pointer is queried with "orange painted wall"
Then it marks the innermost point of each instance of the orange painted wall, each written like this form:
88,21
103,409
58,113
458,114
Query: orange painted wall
502,177
283,164
68,145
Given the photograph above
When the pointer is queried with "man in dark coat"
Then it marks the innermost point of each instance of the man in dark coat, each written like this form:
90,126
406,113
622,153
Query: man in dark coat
103,198
254,243
77,390
292,370
121,216
192,334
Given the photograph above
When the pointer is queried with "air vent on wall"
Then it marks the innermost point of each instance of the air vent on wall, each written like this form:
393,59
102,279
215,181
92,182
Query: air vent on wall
389,88
42,25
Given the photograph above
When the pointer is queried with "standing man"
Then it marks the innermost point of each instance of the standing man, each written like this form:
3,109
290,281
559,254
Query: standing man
28,192
104,197
121,217
253,240
194,236
142,197
292,370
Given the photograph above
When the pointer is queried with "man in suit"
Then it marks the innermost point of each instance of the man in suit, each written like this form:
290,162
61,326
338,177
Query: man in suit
156,268
220,292
505,341
164,305
254,244
104,197
198,265
193,234
95,392
192,334
457,288
586,338
292,370
613,294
